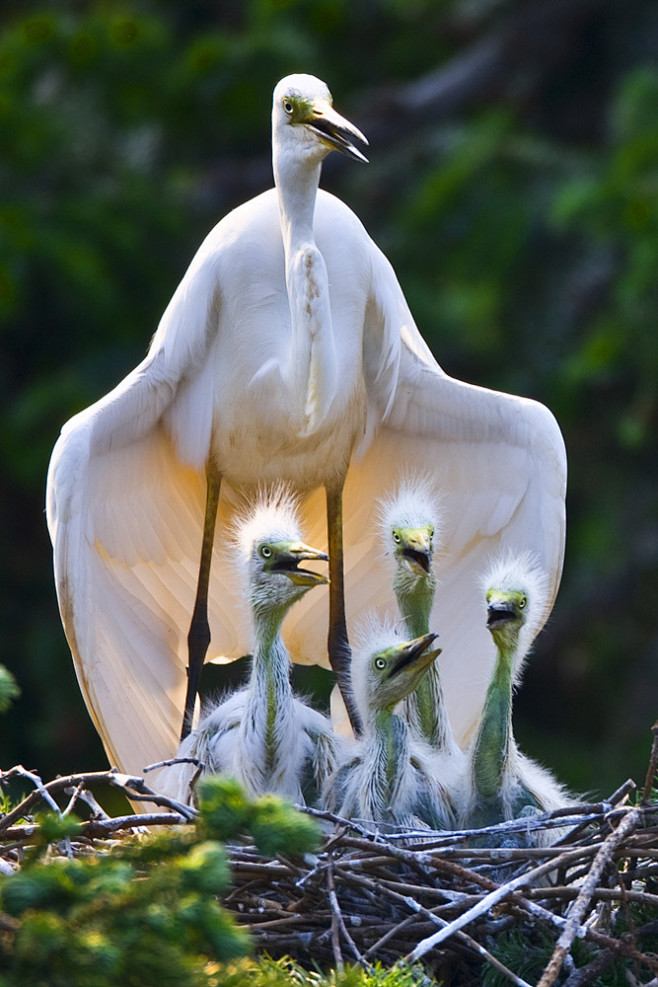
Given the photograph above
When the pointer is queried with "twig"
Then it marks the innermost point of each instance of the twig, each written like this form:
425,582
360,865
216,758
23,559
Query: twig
41,789
335,912
652,767
489,900
172,761
577,910
134,788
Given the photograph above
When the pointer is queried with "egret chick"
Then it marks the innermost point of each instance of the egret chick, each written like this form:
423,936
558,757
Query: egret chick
389,777
262,734
410,525
503,782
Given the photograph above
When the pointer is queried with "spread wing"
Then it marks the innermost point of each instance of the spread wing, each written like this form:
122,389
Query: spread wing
126,506
125,514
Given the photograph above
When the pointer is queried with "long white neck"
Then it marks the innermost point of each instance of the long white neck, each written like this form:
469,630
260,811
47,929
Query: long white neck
311,365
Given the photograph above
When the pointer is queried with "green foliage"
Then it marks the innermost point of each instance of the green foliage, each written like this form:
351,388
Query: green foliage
275,827
147,911
266,972
112,919
527,955
8,689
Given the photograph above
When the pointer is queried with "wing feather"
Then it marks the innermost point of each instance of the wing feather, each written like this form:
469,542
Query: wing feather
126,492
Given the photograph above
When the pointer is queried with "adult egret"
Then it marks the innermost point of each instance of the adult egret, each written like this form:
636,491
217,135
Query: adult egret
286,353
503,782
410,525
390,776
261,734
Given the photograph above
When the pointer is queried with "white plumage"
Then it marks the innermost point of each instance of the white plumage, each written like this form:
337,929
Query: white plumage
243,379
262,734
389,776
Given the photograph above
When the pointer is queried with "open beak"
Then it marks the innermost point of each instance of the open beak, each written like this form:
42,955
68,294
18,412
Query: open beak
417,551
499,612
289,565
337,132
414,656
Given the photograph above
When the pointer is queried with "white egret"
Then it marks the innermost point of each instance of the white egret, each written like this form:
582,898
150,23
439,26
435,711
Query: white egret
410,527
390,776
503,783
286,353
262,734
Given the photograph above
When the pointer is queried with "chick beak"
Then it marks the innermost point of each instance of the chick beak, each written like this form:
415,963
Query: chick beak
413,654
299,552
337,132
499,613
417,553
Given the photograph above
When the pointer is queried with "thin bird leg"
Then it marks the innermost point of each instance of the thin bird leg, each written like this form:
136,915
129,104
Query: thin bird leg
198,637
340,655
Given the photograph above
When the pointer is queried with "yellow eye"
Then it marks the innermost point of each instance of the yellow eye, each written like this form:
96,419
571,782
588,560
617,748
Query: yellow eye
522,602
380,663
288,107
266,551
396,538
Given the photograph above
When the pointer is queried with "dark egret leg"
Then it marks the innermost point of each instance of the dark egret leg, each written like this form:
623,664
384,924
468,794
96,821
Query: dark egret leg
340,655
198,637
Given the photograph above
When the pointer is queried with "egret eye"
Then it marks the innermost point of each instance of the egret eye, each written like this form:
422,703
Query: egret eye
265,551
288,107
396,538
522,602
380,663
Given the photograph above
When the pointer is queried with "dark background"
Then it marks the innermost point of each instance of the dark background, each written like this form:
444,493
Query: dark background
513,184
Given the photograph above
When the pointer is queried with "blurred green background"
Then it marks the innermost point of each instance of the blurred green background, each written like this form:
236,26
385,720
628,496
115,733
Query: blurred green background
513,184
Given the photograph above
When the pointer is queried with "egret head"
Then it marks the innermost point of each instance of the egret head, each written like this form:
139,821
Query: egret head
305,122
409,522
270,551
516,592
386,669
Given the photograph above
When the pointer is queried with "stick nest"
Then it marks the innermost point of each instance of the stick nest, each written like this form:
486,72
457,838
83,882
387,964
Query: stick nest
444,900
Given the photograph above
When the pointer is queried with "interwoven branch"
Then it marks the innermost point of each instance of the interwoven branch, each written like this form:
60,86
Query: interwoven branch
439,897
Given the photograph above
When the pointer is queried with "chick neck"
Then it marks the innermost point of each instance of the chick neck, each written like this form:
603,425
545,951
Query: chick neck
425,707
270,689
495,738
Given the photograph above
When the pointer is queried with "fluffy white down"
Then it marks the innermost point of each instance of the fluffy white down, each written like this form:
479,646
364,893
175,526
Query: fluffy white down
414,503
521,573
372,634
271,515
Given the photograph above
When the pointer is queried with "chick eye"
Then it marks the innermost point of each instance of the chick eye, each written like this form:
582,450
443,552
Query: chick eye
522,602
288,107
396,538
380,663
265,551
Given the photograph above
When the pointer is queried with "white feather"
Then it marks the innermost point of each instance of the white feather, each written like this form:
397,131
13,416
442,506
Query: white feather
521,574
414,503
126,483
